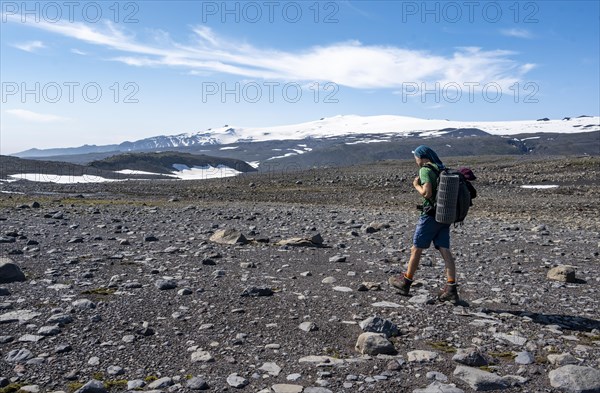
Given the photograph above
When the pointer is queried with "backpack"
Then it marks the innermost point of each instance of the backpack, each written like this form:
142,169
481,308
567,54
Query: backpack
454,194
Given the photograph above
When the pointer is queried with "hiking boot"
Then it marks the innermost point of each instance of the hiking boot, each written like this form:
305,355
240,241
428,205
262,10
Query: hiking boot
401,283
449,294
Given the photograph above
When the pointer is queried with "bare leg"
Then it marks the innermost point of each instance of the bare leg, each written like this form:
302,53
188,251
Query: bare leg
413,263
450,266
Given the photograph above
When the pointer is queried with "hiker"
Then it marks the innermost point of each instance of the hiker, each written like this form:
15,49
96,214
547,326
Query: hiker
428,229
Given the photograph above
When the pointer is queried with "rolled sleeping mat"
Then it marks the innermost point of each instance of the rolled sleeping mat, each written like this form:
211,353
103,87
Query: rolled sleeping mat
447,198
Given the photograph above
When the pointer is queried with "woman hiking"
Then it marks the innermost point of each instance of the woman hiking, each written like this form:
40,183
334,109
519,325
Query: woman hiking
428,229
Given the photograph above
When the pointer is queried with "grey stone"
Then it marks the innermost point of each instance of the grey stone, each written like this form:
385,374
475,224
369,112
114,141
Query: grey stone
562,273
439,387
470,357
511,339
115,370
436,376
313,389
480,380
420,356
308,326
18,356
271,368
184,292
4,291
60,319
236,381
379,325
93,386
49,330
30,388
4,382
228,236
562,360
524,357
161,383
6,339
374,344
164,285
287,388
83,304
338,258
386,304
10,272
421,299
575,379
62,348
20,316
257,291
31,338
202,357
197,383
135,384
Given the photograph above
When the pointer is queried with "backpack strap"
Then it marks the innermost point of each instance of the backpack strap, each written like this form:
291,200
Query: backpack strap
437,174
433,168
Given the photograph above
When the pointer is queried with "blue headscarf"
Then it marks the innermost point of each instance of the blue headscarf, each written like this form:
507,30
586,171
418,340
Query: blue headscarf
426,152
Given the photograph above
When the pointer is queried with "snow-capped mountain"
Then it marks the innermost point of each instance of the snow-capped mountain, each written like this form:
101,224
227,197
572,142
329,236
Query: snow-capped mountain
337,126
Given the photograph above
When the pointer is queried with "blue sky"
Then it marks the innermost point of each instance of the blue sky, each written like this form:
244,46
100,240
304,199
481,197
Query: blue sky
106,72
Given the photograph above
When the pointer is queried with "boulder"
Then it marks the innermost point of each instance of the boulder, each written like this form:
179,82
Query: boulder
562,273
379,325
374,344
575,379
228,236
10,272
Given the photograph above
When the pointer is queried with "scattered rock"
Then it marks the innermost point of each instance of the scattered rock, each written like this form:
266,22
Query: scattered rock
161,383
10,272
236,381
257,291
562,360
202,357
228,236
18,356
524,357
575,379
197,383
562,273
287,388
480,380
439,387
92,386
308,326
374,344
271,368
379,325
470,357
420,356
165,285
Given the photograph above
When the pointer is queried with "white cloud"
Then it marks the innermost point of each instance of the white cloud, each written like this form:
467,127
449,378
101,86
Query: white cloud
78,52
518,33
345,63
35,117
30,46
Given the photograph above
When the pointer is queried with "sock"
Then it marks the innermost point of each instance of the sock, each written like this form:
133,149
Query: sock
451,282
410,278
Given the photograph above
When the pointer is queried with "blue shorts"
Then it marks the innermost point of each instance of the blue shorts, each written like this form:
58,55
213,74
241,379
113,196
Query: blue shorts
428,230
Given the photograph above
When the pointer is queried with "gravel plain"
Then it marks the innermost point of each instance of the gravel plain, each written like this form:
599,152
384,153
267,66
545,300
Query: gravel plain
125,286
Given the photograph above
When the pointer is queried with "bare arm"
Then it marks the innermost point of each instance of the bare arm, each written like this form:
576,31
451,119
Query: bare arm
426,190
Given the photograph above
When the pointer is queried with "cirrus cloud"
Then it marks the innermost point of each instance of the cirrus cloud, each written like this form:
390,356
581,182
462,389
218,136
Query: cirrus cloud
350,63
